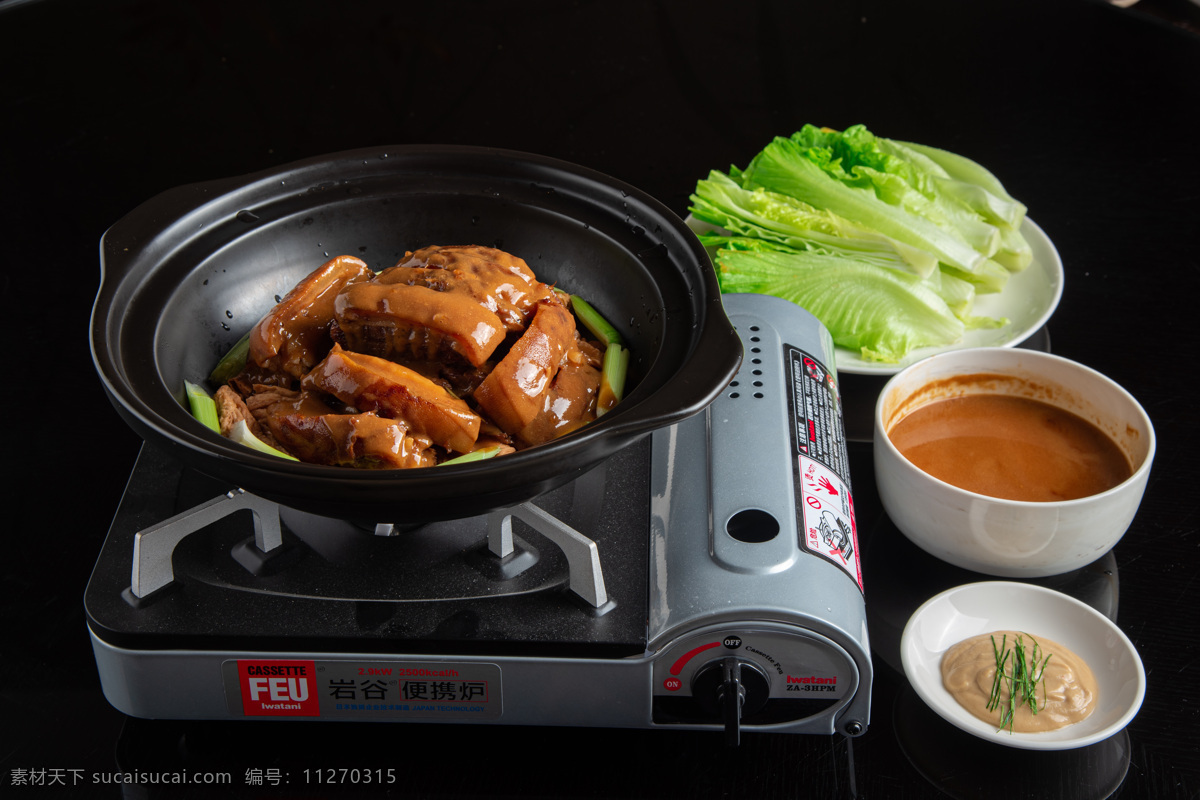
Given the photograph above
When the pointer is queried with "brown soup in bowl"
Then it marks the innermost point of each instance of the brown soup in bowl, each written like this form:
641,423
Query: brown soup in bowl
1017,448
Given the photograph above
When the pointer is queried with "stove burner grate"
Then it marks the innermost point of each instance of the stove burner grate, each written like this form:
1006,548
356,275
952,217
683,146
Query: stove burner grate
154,547
566,573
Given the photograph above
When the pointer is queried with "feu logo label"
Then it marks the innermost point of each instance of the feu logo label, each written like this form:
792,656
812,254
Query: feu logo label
278,688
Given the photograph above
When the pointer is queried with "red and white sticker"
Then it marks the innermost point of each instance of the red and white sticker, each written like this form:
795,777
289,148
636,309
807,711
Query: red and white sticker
829,526
278,689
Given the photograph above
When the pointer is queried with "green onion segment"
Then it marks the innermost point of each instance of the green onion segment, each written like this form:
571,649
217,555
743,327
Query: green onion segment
612,378
475,455
594,322
242,435
203,407
232,362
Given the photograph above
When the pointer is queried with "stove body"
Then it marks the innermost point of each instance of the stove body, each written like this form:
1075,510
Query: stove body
706,577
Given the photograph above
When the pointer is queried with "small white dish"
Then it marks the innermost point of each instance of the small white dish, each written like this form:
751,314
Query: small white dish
978,608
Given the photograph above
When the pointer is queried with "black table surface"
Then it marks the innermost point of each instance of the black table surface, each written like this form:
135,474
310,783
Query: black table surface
1085,110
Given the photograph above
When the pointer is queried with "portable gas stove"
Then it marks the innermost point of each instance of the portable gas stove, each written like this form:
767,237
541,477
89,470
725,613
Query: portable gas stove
706,577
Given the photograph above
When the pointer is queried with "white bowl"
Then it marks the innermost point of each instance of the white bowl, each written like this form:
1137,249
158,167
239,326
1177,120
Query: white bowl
1011,538
978,608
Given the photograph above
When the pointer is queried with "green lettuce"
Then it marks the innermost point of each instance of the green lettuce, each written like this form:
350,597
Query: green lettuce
890,240
969,181
881,313
720,201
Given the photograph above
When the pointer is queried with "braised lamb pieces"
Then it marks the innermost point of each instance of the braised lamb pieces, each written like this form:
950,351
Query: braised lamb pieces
451,350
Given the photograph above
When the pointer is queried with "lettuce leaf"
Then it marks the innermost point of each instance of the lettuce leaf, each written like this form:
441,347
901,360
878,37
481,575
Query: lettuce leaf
958,294
1014,254
720,200
900,177
978,187
881,313
815,176
887,242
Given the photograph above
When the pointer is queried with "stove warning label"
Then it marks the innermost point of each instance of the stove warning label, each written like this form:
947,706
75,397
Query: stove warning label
364,690
828,509
817,412
822,463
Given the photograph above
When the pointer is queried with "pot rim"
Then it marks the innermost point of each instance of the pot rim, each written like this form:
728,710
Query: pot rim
171,220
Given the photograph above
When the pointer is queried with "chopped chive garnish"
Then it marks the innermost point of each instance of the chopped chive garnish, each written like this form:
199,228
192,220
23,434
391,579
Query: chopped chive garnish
1021,680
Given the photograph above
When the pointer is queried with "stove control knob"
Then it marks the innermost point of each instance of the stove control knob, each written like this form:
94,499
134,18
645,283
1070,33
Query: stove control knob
729,689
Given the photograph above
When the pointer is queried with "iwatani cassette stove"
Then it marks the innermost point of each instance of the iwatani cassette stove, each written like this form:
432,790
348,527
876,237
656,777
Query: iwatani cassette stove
706,577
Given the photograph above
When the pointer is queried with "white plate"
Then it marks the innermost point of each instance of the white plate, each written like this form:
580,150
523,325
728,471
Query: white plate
1027,302
978,608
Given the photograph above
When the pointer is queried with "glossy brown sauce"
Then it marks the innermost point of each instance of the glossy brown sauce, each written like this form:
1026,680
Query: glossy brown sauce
1012,447
454,349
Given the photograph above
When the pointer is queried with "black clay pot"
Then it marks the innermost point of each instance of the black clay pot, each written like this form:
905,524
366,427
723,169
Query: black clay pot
187,273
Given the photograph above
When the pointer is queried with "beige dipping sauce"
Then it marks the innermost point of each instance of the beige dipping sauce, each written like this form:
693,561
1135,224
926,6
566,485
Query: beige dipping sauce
1067,695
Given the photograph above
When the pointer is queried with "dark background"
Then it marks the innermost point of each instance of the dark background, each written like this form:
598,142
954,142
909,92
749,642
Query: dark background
1087,112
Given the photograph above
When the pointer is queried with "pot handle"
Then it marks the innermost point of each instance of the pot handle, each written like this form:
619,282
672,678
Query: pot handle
713,362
